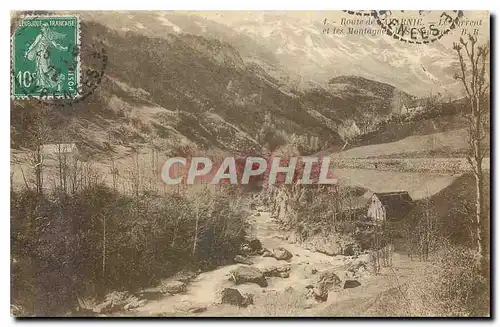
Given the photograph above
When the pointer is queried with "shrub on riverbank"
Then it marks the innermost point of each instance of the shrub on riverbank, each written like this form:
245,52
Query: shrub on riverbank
98,240
450,286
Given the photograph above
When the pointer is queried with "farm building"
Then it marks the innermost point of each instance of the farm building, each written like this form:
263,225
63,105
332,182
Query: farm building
57,150
389,206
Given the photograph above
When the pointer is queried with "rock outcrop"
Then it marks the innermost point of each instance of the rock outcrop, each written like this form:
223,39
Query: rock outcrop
244,274
363,263
252,246
283,272
327,280
116,301
243,260
234,297
190,307
282,254
173,287
351,283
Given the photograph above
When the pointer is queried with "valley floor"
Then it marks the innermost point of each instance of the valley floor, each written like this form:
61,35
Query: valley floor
417,184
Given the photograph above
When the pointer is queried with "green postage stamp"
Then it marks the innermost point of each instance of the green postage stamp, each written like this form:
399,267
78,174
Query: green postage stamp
45,57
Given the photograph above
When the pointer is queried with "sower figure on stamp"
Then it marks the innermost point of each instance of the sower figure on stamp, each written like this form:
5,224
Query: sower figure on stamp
47,77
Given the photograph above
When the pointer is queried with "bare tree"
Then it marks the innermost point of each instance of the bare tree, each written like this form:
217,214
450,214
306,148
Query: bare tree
74,172
135,174
475,79
197,216
409,236
110,148
40,133
376,246
427,232
155,150
62,164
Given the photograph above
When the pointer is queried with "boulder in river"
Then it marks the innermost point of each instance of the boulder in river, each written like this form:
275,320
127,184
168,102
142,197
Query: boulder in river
360,264
284,274
282,254
283,271
116,301
243,260
351,283
234,297
252,245
244,274
267,253
190,307
134,303
330,249
173,287
328,279
255,244
231,296
246,249
248,299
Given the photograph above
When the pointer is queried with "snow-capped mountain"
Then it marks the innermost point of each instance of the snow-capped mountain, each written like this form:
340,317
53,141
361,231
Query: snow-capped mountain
293,47
299,43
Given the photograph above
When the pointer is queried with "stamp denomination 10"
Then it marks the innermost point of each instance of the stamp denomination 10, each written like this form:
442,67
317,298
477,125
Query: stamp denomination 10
46,57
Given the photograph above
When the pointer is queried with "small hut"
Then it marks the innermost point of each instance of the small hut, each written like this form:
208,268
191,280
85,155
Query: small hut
389,206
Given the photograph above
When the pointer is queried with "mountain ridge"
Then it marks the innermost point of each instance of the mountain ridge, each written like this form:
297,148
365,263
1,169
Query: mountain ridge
188,90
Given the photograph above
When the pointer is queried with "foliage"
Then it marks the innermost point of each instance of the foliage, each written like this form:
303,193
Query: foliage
451,285
314,209
61,250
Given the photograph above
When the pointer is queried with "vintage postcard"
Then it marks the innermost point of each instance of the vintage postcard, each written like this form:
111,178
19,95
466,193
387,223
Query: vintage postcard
250,163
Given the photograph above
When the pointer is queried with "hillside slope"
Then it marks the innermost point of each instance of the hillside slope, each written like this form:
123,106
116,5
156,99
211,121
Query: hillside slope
453,142
185,90
454,208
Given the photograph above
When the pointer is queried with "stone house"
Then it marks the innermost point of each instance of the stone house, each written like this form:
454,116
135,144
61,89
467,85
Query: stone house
389,206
